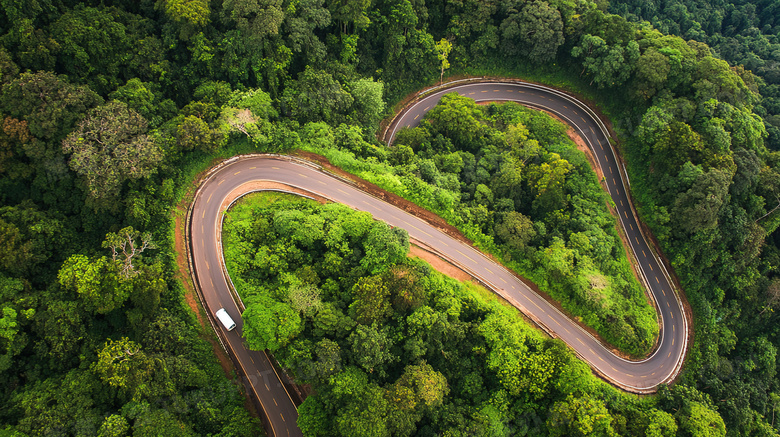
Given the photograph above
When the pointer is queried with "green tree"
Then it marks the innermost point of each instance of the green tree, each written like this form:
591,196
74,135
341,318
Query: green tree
114,426
515,230
91,44
547,180
122,364
189,15
47,102
580,416
365,414
610,65
428,387
371,303
652,70
700,421
371,348
459,119
316,96
141,97
255,100
126,246
662,424
15,253
535,32
369,106
97,281
255,19
301,30
269,324
348,12
443,49
194,133
109,147
697,209
384,246
15,314
62,326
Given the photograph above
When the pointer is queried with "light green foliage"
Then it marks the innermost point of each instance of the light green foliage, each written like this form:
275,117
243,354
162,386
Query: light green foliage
192,12
15,315
371,301
97,282
662,424
256,100
269,324
580,416
426,386
369,103
443,49
114,426
384,245
702,421
123,364
458,119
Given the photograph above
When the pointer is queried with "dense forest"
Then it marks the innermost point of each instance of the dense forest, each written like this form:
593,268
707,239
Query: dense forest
742,32
391,347
110,108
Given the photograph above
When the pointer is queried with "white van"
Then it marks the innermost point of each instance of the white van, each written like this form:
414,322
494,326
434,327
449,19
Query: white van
225,318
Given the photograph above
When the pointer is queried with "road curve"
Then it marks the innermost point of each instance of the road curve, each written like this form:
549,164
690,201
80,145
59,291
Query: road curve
234,177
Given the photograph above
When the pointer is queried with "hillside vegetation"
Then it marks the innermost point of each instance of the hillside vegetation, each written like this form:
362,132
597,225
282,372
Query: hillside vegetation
110,108
391,347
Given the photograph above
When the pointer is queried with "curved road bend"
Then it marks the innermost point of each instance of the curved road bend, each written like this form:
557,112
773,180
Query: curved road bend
668,357
205,227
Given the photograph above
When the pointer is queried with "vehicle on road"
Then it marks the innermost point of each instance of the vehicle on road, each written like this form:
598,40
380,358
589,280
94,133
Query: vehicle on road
226,320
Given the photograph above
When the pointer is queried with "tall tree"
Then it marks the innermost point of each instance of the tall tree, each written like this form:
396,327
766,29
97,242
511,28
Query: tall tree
535,32
109,147
443,49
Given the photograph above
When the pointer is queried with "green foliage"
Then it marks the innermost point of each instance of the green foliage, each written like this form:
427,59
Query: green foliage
210,78
426,352
123,364
269,324
96,281
109,147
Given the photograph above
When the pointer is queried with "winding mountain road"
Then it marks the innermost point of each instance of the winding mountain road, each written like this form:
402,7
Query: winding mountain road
235,178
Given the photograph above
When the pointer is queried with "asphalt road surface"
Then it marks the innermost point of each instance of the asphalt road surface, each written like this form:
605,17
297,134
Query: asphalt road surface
278,407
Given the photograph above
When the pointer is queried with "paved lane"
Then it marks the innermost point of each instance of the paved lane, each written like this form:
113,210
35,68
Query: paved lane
233,178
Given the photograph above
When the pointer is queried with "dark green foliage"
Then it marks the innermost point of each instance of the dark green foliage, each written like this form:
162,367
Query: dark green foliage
221,77
743,33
